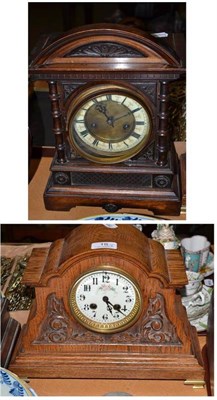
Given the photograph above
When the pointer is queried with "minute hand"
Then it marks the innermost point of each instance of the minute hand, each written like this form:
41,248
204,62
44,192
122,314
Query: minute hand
122,116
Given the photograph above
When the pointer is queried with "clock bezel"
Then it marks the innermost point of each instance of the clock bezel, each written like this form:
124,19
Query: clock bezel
86,93
112,327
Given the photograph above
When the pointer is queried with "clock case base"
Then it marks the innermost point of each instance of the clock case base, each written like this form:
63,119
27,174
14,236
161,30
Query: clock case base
110,366
130,185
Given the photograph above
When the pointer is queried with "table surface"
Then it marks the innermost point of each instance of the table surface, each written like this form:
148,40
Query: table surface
37,186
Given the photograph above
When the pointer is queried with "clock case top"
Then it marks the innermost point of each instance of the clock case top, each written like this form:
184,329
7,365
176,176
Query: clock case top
111,54
161,344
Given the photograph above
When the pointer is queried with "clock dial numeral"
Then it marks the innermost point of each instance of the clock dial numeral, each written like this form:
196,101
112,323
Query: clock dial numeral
95,142
140,123
136,109
87,288
136,135
105,278
95,101
79,121
84,133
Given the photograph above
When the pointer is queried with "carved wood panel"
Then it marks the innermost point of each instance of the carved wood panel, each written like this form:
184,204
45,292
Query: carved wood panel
59,327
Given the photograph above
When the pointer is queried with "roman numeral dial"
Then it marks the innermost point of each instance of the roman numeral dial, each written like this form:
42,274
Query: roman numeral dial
111,127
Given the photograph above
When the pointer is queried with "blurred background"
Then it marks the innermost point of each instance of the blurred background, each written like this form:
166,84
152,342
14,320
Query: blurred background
59,17
39,233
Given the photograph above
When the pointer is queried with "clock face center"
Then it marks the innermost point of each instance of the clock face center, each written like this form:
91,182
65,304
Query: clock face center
110,121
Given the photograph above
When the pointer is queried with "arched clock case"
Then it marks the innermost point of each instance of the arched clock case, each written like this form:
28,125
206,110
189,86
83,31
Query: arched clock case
106,306
109,95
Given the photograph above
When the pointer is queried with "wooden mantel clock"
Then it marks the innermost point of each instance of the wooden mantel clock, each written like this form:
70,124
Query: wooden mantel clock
108,88
106,307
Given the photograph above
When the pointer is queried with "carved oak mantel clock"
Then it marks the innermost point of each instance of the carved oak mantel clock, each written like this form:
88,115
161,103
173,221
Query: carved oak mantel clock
108,87
106,307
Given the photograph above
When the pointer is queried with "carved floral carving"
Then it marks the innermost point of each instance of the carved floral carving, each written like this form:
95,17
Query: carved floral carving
58,327
156,327
104,49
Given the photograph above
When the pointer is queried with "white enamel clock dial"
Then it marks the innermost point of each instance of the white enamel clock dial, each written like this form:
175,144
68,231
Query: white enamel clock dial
105,300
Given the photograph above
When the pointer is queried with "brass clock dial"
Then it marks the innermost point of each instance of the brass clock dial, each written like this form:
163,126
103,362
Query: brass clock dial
105,300
110,126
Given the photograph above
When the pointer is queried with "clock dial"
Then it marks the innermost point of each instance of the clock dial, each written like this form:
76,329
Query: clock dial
105,300
110,127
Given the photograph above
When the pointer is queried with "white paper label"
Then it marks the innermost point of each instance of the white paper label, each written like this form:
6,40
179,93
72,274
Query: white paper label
104,245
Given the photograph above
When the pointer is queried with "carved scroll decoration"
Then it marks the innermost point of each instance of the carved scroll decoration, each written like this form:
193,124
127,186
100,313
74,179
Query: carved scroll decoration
68,88
156,327
57,326
149,152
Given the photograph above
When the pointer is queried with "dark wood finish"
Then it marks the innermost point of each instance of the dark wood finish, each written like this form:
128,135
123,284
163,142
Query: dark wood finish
183,179
113,54
10,330
125,187
57,122
160,345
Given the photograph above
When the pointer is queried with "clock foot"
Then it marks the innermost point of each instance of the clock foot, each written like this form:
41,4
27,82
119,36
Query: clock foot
111,208
196,384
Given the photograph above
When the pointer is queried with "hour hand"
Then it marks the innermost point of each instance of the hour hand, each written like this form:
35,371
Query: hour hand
102,108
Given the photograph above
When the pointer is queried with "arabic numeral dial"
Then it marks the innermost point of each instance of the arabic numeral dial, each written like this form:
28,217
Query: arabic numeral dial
105,300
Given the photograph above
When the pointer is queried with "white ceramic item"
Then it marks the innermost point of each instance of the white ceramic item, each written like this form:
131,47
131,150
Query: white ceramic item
195,251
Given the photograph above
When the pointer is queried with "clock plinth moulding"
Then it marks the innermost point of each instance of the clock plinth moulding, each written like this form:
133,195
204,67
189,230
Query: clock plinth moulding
109,94
128,321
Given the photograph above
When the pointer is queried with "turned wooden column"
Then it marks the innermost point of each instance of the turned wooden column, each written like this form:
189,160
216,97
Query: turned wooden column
58,128
163,126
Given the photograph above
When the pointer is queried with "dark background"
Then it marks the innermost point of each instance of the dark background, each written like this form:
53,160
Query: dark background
32,233
60,17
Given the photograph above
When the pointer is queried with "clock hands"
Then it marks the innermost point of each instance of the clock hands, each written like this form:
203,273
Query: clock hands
102,108
110,119
122,116
109,305
116,307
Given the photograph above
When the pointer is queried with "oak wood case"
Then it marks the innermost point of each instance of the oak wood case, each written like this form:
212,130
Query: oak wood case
161,344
